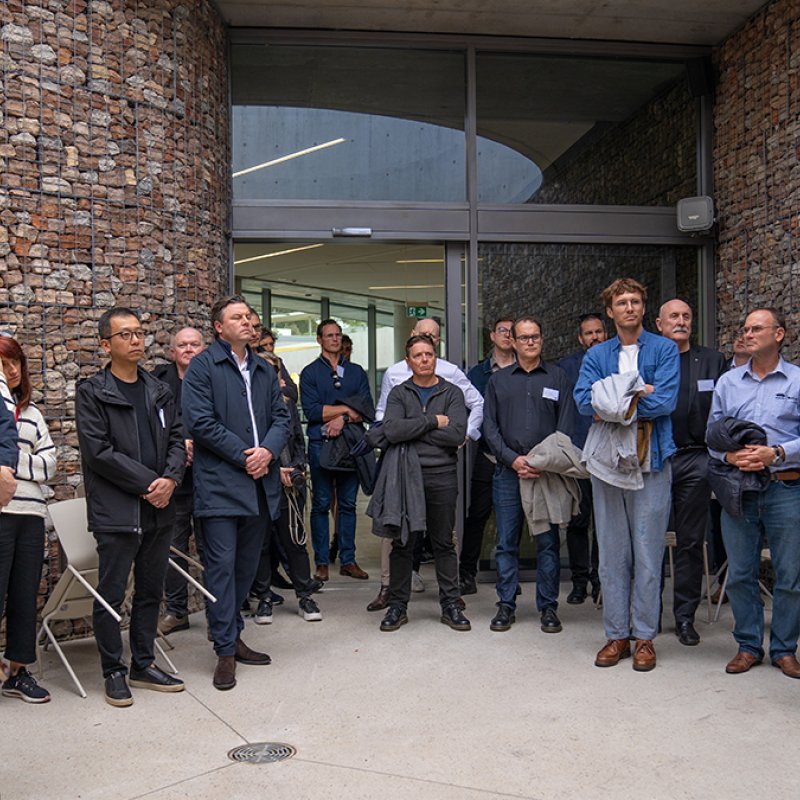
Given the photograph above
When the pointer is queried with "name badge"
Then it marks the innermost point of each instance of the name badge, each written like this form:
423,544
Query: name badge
340,370
550,394
706,385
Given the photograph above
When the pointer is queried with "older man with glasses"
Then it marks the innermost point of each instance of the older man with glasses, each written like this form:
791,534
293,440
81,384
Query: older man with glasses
330,387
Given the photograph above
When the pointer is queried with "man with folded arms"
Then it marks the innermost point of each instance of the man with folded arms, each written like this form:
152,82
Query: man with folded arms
234,412
766,392
631,522
133,456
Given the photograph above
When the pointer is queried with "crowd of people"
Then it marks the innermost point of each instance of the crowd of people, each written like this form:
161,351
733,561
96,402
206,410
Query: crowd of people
627,438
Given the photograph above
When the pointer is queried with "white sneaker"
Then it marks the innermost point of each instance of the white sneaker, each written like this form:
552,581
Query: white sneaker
309,610
417,584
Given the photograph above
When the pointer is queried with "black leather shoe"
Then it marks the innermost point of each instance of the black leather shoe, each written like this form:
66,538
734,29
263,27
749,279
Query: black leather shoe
394,618
503,619
550,621
381,601
454,617
117,691
577,595
153,677
467,585
687,634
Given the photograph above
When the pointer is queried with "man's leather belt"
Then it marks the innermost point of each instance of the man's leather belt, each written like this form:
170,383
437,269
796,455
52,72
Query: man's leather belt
786,475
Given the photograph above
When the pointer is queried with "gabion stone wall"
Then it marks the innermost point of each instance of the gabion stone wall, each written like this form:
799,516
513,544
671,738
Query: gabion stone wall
757,177
114,181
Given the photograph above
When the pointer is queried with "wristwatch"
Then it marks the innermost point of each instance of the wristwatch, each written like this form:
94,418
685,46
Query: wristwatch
779,455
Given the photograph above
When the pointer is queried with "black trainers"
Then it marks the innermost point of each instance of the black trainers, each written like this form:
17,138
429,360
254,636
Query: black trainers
23,685
550,621
454,618
309,610
263,615
503,619
467,585
394,618
154,678
577,595
117,691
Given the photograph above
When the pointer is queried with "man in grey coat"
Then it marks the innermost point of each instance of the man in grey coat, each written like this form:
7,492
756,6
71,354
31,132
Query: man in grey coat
233,410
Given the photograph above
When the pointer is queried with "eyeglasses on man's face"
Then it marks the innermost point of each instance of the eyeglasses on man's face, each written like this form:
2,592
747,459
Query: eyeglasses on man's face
530,338
756,329
126,336
502,330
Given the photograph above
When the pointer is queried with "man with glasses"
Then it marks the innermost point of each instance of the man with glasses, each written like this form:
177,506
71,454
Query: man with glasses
133,454
263,341
583,559
525,403
330,387
480,491
631,522
766,392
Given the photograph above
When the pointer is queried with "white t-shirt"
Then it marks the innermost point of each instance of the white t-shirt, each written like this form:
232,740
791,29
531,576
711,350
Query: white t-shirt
628,358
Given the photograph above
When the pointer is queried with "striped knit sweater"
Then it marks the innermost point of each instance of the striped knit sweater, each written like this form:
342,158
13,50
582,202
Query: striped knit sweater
37,458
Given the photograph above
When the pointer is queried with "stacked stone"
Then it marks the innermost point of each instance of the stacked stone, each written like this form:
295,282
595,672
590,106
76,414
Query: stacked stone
757,176
114,182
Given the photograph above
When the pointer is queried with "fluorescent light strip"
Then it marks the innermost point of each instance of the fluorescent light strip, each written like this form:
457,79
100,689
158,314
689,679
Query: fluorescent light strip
421,261
411,286
277,253
280,160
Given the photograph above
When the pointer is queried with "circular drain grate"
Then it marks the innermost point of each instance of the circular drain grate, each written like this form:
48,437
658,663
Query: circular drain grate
262,752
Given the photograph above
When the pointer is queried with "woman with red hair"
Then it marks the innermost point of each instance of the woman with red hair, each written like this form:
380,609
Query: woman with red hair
22,528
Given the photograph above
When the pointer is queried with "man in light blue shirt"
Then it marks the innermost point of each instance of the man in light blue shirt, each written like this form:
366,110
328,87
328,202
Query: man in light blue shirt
765,391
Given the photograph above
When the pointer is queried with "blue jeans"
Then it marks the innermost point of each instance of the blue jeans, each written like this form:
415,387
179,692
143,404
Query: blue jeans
509,517
775,513
631,531
323,482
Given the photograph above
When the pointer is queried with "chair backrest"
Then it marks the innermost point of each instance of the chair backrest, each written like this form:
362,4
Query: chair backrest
77,543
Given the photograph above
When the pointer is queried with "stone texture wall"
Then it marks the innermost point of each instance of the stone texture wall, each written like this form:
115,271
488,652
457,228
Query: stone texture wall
650,159
114,182
756,170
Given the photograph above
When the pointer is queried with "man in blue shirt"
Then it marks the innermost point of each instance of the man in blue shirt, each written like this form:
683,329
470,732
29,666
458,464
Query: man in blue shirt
327,385
765,391
631,523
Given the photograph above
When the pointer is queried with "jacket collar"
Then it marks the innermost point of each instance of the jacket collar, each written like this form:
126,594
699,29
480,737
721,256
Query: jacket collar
222,351
644,337
109,391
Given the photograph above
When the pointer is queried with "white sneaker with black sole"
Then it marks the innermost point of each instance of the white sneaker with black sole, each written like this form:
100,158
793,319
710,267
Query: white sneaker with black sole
263,615
309,610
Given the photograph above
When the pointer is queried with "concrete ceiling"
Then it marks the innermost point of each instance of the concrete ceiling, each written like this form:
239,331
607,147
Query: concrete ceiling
689,22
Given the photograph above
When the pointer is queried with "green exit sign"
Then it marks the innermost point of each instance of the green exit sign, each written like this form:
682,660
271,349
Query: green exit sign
417,312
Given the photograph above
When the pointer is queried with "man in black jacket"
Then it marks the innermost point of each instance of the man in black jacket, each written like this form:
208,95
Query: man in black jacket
133,457
184,346
428,413
701,368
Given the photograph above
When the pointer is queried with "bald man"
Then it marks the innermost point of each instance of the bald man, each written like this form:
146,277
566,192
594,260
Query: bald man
700,367
184,346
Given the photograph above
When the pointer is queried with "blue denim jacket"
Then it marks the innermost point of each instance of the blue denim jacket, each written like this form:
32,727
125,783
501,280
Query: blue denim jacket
659,365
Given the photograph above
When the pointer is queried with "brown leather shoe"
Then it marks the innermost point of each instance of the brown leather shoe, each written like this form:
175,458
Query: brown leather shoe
225,673
788,665
644,655
246,655
322,573
353,571
741,662
611,653
169,623
381,601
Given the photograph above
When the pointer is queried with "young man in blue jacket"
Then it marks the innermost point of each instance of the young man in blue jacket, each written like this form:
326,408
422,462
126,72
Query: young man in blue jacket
234,412
631,524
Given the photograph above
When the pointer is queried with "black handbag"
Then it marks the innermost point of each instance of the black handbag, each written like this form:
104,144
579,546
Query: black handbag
335,455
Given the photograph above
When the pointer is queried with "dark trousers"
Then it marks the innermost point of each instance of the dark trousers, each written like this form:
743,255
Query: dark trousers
691,495
232,551
295,556
21,557
582,564
147,553
480,509
175,590
441,493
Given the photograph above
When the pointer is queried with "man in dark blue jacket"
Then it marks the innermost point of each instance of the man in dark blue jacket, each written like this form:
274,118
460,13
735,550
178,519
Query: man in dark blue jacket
233,410
9,453
582,565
